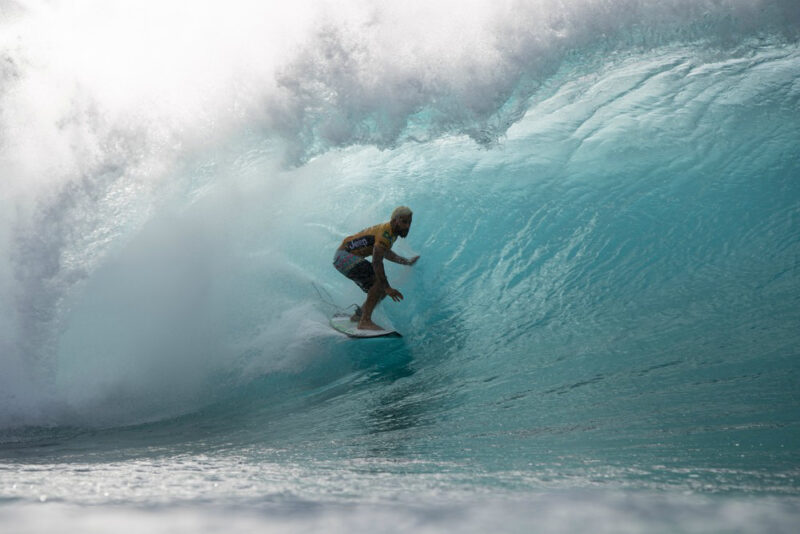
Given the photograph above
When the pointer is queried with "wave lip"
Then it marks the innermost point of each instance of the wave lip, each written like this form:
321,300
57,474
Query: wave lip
384,83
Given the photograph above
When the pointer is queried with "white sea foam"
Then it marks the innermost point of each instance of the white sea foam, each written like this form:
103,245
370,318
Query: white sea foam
562,513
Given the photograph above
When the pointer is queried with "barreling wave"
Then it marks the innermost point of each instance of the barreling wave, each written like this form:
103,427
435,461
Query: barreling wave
629,235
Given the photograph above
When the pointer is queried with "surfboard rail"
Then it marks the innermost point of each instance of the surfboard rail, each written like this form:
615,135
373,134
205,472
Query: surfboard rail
341,322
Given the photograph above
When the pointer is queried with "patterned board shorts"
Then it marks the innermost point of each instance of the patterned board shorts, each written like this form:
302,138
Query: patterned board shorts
355,268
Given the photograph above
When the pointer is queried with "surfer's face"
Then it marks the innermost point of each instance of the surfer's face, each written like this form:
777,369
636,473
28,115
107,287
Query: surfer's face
401,225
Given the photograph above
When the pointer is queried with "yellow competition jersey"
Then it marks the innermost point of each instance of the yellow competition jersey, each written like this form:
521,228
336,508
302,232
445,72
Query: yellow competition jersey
361,243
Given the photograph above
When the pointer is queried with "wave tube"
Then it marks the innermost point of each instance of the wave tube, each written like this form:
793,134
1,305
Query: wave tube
605,204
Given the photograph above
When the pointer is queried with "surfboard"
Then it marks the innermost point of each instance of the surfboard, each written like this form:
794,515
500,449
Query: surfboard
342,323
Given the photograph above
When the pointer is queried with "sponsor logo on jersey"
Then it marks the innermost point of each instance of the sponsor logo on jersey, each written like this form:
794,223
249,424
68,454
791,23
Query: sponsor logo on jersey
361,242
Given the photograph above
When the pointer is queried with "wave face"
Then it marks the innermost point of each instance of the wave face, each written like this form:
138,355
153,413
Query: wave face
606,203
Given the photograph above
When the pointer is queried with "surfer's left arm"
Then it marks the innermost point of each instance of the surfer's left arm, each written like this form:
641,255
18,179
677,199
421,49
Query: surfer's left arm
394,258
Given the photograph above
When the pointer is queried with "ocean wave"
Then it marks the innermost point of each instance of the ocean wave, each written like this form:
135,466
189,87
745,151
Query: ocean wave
166,201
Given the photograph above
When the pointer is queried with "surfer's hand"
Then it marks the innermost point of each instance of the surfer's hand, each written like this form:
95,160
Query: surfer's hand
395,294
413,260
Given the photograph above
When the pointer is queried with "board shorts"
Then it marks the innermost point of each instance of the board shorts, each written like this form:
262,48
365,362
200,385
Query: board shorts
355,268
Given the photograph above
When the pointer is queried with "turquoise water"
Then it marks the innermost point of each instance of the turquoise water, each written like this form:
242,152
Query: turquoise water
603,328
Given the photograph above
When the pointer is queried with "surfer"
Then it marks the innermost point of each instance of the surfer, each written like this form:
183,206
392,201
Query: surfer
375,241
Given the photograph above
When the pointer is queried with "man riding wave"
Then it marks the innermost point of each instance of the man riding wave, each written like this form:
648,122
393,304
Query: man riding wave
375,241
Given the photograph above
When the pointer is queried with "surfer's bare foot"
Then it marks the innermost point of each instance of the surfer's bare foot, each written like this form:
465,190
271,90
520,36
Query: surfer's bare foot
368,325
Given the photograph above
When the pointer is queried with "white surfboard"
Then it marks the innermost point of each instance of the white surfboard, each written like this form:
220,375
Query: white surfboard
342,323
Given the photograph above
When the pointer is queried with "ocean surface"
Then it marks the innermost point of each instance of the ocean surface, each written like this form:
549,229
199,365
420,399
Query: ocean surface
602,333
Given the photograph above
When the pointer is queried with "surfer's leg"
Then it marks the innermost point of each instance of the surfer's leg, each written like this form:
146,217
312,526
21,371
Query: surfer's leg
374,296
363,275
359,271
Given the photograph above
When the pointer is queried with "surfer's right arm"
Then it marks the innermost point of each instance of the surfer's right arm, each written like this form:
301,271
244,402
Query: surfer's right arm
378,252
391,256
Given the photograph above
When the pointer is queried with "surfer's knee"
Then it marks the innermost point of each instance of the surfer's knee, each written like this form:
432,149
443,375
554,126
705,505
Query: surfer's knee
378,290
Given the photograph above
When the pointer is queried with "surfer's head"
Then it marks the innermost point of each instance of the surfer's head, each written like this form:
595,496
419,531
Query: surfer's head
401,220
